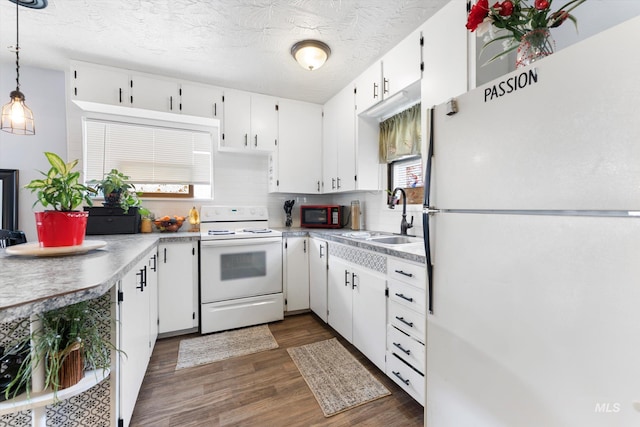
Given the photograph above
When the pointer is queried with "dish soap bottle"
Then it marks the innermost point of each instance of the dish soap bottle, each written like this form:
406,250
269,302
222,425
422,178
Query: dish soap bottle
194,219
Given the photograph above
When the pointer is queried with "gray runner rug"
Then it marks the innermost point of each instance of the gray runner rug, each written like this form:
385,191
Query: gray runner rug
337,380
224,345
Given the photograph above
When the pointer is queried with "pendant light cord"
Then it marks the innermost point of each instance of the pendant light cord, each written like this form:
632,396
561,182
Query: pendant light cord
17,46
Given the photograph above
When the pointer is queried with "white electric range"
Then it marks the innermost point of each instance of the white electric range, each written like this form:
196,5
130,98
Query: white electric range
240,268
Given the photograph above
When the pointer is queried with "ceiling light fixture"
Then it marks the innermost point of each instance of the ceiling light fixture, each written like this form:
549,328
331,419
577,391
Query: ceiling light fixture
310,54
16,117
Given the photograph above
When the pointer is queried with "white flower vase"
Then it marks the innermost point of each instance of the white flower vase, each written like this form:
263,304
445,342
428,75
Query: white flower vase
535,45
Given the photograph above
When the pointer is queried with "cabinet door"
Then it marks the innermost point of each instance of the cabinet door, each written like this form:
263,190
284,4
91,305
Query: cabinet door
151,93
177,283
346,126
318,277
369,314
103,85
299,147
152,287
237,119
445,58
264,122
339,142
340,297
369,87
201,100
134,337
296,273
401,66
330,145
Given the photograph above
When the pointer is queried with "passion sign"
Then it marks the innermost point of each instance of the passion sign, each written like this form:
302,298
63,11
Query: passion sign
511,84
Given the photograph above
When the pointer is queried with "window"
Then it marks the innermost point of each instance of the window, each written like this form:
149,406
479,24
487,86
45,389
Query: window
160,161
406,173
400,140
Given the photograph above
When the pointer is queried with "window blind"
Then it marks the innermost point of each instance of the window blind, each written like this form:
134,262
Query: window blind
147,154
407,173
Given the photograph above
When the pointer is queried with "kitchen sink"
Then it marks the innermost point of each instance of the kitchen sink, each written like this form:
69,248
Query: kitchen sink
395,240
382,238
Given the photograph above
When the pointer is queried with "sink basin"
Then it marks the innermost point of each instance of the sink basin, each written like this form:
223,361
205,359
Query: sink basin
395,240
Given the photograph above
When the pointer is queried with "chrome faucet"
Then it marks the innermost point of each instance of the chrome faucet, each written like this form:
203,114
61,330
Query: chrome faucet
404,225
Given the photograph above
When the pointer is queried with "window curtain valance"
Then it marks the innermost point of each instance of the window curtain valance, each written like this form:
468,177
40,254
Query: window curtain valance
400,135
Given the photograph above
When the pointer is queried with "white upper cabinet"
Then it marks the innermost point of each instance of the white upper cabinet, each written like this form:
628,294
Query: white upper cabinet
339,153
445,58
250,121
264,122
369,87
154,93
104,85
201,100
299,169
402,65
397,70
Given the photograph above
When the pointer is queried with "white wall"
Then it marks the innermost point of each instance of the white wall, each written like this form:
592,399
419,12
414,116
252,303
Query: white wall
44,91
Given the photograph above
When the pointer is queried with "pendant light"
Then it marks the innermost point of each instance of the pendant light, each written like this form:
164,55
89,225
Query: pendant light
16,117
310,54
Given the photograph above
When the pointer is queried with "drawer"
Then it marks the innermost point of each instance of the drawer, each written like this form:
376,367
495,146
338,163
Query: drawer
408,272
408,320
409,380
409,296
407,348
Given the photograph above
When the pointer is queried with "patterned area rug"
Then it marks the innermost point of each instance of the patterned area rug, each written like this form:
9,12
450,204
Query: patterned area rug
337,380
224,345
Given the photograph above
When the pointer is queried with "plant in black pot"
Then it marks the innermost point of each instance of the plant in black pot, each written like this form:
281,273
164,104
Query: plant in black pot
118,191
61,190
69,342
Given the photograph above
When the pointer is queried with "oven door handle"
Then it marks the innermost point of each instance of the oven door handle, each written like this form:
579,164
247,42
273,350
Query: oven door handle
240,242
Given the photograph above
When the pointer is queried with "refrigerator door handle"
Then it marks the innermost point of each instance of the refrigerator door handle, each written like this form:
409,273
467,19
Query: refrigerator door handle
427,211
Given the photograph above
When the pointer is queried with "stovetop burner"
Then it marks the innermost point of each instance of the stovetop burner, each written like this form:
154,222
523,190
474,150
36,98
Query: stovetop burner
231,222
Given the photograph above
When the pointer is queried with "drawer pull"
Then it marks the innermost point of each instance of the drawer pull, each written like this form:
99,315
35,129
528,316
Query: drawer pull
409,324
404,273
404,298
397,374
405,351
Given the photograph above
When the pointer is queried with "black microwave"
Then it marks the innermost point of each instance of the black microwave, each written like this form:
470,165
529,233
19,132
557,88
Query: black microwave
321,216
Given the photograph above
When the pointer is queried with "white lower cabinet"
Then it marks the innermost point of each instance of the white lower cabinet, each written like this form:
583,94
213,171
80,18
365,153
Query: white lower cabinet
406,328
295,258
318,277
357,301
177,287
135,301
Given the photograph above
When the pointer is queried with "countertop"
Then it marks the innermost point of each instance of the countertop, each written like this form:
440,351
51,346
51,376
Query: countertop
412,252
30,285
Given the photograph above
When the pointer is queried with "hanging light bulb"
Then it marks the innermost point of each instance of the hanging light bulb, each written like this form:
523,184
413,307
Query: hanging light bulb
16,117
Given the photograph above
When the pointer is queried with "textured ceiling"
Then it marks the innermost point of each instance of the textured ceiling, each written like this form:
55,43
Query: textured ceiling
241,44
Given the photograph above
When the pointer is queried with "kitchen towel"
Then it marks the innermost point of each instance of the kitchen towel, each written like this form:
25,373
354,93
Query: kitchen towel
224,345
337,380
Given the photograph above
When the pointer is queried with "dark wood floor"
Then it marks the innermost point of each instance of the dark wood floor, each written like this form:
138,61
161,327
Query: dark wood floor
262,389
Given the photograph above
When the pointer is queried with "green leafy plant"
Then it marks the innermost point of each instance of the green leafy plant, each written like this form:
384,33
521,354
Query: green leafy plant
63,330
60,188
118,191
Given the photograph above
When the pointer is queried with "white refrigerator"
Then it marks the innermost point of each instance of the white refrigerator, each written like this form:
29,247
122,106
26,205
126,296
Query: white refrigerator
533,241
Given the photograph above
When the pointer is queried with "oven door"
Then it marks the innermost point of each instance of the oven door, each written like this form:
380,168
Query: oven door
239,268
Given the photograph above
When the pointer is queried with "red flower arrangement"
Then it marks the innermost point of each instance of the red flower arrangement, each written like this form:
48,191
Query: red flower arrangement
509,20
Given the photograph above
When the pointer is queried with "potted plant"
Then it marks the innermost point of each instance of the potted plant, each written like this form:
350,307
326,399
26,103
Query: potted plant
61,190
69,342
118,191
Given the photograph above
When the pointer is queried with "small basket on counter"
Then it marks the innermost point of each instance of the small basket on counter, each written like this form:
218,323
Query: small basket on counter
168,224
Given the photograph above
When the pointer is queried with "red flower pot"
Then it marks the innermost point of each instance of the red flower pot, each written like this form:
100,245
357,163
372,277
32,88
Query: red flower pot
57,228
